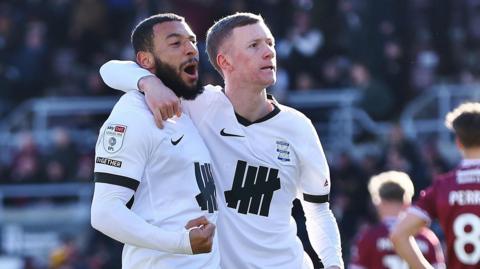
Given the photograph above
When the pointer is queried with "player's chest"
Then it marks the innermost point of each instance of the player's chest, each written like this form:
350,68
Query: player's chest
182,165
255,149
180,144
256,165
258,142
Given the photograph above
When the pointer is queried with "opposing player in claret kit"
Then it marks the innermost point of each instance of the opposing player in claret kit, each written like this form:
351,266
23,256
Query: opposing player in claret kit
264,154
166,173
453,200
391,194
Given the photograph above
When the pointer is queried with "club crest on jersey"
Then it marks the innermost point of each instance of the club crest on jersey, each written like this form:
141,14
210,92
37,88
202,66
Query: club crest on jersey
283,151
113,137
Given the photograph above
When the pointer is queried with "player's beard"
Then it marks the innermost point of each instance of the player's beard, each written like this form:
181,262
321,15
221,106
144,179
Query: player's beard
172,79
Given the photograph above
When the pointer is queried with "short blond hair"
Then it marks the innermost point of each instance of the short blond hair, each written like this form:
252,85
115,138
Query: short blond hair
222,29
465,122
391,186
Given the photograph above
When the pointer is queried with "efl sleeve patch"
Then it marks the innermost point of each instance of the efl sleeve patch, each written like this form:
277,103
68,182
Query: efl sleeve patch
120,153
113,137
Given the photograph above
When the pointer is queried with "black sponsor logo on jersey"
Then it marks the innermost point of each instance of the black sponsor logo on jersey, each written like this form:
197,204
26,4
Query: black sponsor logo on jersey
110,162
253,189
175,142
207,199
223,133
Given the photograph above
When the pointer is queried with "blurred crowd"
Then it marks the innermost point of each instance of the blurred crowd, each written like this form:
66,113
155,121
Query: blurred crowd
390,51
61,161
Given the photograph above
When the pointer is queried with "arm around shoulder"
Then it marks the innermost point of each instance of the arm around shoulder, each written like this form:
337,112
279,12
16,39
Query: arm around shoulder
122,75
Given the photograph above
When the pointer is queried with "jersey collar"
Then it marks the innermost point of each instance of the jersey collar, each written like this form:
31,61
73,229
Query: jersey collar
276,109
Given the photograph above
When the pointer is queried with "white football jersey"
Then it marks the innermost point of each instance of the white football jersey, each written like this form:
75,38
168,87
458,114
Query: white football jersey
260,168
170,171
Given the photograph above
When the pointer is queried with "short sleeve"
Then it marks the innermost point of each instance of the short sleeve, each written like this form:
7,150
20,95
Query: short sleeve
314,173
122,151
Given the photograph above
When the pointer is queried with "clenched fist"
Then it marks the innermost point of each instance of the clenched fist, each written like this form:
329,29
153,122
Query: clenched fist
201,237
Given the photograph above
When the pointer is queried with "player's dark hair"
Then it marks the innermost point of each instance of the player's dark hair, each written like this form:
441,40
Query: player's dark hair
465,122
222,29
391,191
142,34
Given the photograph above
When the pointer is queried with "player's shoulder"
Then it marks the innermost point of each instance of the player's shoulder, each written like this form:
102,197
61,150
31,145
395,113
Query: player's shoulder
450,175
211,91
292,112
294,117
445,179
295,123
209,95
131,103
132,110
209,88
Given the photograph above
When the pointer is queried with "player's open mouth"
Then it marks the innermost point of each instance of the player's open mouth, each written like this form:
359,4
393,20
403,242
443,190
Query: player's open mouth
268,67
191,69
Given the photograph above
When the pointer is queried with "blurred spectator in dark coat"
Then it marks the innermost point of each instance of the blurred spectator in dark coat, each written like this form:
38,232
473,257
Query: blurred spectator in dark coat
375,97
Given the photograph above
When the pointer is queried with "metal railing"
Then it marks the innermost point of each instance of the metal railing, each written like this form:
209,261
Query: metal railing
343,120
41,116
80,192
425,115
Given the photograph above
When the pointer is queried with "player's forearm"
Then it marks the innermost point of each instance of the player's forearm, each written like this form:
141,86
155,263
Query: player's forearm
323,233
405,247
122,75
404,243
110,216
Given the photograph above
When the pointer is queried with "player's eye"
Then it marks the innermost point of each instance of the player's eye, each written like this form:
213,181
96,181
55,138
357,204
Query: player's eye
175,44
253,45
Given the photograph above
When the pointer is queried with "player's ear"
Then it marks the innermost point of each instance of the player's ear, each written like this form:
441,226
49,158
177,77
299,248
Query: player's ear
459,143
224,62
145,59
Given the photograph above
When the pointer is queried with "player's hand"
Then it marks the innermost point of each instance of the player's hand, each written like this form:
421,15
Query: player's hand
161,100
198,222
201,238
